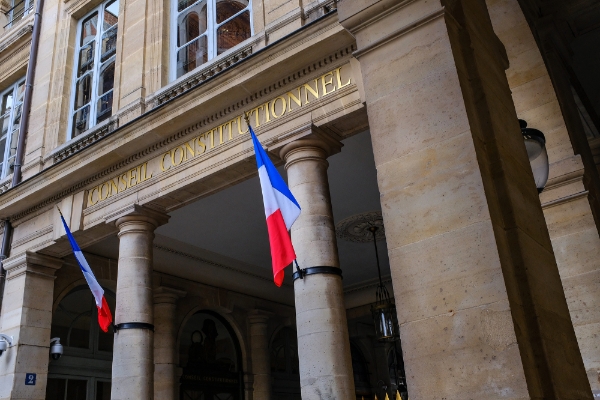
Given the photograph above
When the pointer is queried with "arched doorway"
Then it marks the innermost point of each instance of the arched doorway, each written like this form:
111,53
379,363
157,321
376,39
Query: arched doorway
210,356
284,365
361,373
84,370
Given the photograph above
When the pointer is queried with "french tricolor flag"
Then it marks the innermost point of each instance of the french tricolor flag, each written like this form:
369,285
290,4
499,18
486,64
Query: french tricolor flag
281,209
104,315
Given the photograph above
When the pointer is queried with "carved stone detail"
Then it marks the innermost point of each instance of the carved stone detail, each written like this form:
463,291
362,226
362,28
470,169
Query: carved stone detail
356,227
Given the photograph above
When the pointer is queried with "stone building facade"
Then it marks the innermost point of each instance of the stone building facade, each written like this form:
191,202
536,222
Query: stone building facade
396,113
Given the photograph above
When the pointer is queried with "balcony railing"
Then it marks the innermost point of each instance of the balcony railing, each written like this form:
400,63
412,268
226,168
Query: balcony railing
18,12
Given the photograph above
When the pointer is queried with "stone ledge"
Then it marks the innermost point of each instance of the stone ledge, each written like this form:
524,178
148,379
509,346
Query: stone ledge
202,74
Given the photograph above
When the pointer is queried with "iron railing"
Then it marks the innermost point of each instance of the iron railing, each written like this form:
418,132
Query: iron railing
18,11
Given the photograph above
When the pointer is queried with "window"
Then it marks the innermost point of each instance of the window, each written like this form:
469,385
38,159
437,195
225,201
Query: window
204,29
18,10
12,102
285,369
94,72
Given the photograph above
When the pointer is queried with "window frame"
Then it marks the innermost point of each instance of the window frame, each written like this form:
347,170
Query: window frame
211,33
95,71
6,167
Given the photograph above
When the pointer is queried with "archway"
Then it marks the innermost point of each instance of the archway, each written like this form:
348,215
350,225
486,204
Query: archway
210,355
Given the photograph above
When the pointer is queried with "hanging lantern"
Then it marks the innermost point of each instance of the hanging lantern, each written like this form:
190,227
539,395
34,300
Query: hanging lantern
384,309
535,143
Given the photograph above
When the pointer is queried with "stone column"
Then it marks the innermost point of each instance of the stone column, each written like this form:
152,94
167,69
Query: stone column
133,359
323,342
27,316
165,342
261,361
571,193
469,249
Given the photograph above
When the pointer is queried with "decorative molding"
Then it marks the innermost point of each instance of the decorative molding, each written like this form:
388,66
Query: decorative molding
17,35
84,141
401,31
32,236
196,78
565,199
355,228
14,60
319,9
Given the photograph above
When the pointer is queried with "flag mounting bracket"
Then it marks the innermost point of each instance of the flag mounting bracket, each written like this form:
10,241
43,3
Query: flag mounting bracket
302,272
133,325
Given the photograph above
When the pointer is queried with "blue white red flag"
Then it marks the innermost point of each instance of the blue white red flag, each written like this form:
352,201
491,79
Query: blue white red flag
104,315
281,210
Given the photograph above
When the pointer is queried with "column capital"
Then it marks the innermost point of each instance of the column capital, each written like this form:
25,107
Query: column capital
31,262
256,317
315,146
168,295
134,213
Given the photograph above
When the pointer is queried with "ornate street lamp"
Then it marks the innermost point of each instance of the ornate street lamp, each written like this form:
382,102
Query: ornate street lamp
535,143
384,309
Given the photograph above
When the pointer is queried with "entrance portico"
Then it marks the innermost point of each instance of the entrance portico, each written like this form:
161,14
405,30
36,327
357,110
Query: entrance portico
415,123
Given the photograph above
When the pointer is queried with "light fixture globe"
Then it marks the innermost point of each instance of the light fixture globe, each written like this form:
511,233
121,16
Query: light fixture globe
535,144
384,309
384,317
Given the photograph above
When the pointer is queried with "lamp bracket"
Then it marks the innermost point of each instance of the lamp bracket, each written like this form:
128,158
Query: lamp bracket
8,339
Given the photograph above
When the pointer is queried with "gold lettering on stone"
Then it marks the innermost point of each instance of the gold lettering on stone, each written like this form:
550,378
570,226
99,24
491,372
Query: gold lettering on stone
276,108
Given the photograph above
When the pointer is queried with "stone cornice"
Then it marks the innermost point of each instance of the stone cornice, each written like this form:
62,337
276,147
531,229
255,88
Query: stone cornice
133,129
17,34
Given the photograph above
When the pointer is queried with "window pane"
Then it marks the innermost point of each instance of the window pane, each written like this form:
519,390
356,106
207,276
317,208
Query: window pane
14,137
183,4
55,389
106,78
89,29
86,58
7,102
191,56
81,121
109,44
20,92
103,390
228,8
233,32
111,15
83,91
2,146
18,11
5,124
104,107
76,389
191,23
17,117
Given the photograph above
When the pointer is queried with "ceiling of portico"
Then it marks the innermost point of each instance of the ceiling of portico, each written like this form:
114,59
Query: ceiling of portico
223,237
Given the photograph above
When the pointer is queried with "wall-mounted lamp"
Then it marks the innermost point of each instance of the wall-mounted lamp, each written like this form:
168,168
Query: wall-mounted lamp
56,349
535,143
5,341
